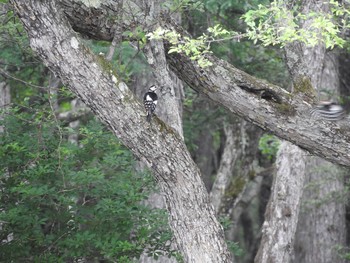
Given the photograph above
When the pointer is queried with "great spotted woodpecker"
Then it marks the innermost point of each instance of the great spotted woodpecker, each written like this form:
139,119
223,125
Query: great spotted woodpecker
328,110
150,101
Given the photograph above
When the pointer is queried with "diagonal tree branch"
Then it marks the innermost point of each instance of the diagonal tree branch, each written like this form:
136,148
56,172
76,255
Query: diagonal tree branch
268,106
197,232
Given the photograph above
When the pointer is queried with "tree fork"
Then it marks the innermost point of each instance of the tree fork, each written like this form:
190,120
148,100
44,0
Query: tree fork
197,232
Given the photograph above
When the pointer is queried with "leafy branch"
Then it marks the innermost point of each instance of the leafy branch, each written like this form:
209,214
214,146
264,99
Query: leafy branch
278,25
194,48
274,24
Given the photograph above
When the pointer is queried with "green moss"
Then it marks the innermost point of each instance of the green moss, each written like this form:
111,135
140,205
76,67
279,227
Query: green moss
251,174
236,187
166,128
303,85
286,109
106,65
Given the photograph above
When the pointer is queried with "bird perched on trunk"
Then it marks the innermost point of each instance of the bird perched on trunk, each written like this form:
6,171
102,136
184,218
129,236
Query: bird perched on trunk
150,101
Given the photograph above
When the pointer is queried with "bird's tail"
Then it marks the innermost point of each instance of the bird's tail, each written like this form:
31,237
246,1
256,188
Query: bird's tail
149,117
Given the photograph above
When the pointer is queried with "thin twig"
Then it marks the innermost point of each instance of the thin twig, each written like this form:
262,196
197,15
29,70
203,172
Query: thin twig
3,72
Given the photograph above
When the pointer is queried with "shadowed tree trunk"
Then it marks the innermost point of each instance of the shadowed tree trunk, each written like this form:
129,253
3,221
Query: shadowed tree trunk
5,100
281,216
321,226
238,182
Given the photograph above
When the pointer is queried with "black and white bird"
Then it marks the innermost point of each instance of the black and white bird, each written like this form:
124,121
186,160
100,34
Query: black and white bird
150,101
328,110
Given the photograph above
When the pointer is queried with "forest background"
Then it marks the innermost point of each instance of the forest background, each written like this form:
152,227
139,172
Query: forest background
70,190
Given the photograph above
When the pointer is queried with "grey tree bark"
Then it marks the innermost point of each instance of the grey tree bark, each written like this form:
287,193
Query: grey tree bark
225,172
237,184
197,232
282,211
169,108
5,99
321,226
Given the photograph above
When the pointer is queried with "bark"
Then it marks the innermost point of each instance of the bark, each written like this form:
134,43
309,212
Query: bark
259,102
321,225
282,211
225,172
231,188
169,85
5,100
303,63
169,108
197,232
238,182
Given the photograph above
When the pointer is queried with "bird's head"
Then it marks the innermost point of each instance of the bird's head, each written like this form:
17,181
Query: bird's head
153,88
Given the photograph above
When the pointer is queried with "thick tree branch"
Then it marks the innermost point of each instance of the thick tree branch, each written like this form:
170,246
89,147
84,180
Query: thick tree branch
266,105
196,230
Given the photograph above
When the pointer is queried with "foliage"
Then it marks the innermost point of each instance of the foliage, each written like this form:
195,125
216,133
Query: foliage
234,247
182,5
194,48
343,252
127,60
61,202
17,58
269,145
273,24
276,24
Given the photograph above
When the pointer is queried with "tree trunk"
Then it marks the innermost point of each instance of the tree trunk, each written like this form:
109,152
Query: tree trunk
321,225
238,182
283,208
5,100
196,230
169,107
225,172
311,63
